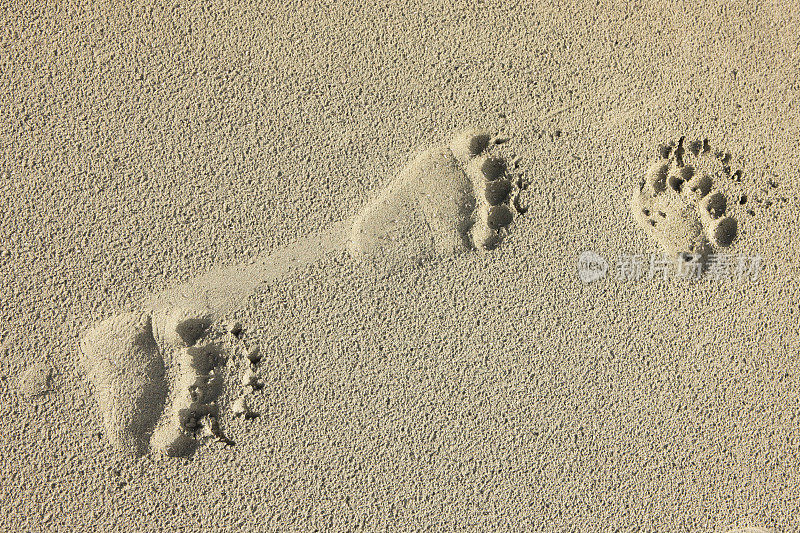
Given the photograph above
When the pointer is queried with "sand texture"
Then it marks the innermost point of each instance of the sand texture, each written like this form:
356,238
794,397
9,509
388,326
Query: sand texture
482,266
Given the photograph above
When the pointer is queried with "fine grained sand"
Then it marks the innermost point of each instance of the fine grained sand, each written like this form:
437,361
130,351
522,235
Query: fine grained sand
147,146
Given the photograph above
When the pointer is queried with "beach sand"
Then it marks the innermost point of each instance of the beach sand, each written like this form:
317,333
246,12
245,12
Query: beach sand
213,179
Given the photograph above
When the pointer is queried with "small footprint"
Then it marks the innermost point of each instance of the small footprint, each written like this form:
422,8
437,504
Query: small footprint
679,204
36,380
451,198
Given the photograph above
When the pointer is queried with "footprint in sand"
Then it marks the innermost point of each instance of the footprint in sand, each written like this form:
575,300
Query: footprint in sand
678,202
158,373
449,199
157,377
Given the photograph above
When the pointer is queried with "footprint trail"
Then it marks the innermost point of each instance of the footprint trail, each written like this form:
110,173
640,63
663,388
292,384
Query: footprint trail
158,373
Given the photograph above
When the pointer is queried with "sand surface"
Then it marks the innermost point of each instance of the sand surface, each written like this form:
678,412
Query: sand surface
146,146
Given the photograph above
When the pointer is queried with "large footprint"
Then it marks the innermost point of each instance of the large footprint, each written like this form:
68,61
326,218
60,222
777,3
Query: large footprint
678,205
158,373
157,377
449,199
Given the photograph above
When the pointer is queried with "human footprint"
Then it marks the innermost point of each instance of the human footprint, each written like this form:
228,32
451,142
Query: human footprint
158,373
679,205
451,198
